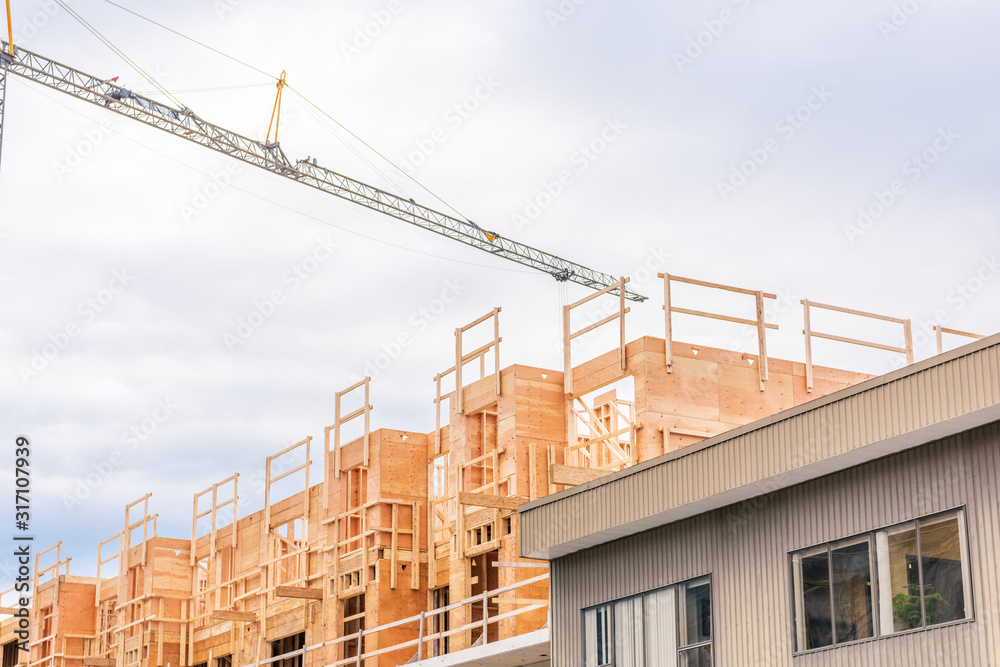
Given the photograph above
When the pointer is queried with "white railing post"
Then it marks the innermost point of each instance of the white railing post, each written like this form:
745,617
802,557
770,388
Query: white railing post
486,616
420,639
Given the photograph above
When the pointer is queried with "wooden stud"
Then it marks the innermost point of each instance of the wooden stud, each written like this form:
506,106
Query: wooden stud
336,435
496,348
908,341
368,414
567,358
532,471
415,548
807,330
761,339
394,546
667,322
459,394
621,319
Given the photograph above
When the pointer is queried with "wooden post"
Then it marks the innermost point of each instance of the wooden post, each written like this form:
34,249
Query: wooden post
668,323
496,346
368,423
420,639
809,357
532,472
940,330
486,611
908,341
336,435
621,319
393,545
761,339
458,372
437,417
567,363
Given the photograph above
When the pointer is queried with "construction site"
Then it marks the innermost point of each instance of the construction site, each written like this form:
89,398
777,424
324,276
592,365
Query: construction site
407,548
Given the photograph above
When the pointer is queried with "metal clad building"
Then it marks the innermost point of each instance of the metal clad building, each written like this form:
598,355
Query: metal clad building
747,508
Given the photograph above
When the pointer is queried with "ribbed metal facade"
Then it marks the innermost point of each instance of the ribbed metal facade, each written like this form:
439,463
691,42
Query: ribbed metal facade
745,547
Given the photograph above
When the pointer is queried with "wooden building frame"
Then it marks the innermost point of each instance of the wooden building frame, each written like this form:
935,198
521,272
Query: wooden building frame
569,334
907,348
213,513
441,506
758,323
144,522
602,446
270,558
463,358
340,563
338,422
41,574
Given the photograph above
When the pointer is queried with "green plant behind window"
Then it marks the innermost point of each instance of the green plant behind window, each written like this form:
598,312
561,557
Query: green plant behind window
906,606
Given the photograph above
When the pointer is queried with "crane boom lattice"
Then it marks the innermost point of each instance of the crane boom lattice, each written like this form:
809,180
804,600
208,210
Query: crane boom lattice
187,125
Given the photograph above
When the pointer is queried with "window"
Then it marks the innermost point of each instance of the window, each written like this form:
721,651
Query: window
224,661
668,626
834,600
353,617
10,654
909,576
288,645
695,624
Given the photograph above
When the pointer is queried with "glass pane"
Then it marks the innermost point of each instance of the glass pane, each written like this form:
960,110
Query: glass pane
596,636
697,657
852,592
660,628
628,633
941,558
816,600
904,578
696,610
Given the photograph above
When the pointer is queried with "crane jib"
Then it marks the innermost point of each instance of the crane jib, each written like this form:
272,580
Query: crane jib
187,125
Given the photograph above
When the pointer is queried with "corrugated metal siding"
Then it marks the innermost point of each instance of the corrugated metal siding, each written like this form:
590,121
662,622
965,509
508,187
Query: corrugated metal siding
899,403
745,549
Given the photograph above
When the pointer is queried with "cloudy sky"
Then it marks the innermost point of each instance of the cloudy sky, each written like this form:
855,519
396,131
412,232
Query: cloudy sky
842,152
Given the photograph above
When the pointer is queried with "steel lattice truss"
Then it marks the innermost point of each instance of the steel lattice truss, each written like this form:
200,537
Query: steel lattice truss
185,124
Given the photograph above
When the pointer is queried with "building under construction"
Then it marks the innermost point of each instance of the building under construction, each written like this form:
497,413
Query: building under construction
407,549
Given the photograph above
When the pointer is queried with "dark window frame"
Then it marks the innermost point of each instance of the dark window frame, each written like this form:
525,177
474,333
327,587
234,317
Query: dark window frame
962,515
677,613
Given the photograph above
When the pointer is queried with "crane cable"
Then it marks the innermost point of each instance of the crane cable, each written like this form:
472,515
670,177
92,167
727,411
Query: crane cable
304,99
257,195
395,184
121,54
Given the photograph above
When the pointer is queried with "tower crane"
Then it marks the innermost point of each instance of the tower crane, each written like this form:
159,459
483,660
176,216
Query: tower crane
267,155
